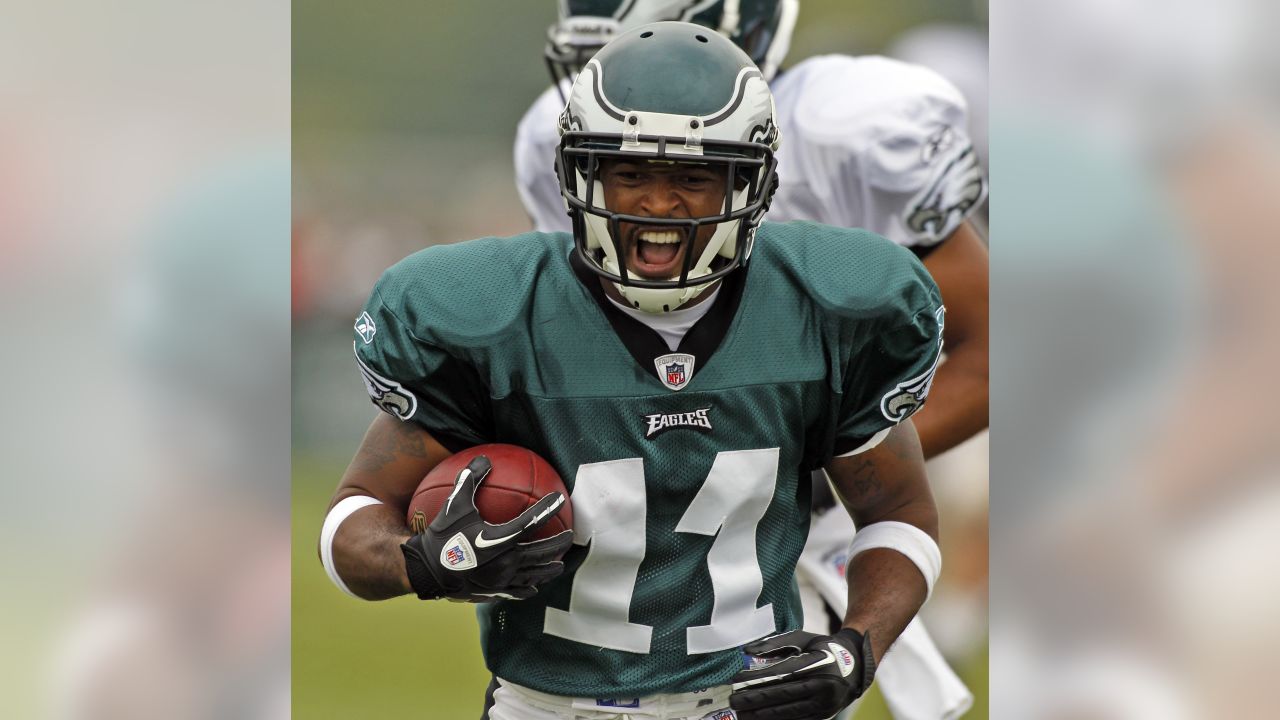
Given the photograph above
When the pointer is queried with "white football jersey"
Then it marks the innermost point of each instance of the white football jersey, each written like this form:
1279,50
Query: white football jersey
867,142
537,138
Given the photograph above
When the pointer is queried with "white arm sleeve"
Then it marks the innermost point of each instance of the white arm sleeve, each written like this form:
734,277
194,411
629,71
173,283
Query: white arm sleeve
332,522
535,162
907,539
875,143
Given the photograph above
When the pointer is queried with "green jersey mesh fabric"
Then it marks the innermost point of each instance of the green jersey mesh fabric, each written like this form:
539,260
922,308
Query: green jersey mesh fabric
496,340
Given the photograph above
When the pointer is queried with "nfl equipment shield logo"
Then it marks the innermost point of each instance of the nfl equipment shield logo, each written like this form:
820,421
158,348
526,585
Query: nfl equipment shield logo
457,554
675,374
674,370
844,659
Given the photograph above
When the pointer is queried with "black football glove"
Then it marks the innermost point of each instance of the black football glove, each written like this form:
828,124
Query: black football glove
800,675
462,557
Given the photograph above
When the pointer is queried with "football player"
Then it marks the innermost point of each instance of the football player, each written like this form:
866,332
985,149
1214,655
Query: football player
685,369
868,142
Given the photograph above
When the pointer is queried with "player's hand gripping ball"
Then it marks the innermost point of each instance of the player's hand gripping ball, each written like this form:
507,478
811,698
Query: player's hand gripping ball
490,523
519,479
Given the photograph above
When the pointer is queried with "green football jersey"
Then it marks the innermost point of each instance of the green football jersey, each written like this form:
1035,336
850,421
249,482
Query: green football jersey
689,470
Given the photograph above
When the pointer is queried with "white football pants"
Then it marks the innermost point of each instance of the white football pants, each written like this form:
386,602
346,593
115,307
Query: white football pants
514,702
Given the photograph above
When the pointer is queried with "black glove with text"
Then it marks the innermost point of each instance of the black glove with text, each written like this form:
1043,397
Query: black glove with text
462,557
800,675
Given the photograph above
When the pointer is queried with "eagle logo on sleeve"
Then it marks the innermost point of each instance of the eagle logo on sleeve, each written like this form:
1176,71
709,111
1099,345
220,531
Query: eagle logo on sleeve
390,396
899,403
959,187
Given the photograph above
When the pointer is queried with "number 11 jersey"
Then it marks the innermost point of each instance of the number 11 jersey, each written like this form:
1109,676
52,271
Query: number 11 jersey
688,470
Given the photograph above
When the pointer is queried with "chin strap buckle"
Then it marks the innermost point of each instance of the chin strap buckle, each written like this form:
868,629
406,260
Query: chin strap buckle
693,134
631,130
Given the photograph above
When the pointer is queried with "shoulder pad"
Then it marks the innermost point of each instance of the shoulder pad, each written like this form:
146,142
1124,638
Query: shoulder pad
877,143
836,100
467,293
850,272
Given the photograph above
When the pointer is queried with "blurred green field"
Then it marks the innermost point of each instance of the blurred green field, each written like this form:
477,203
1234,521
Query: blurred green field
404,658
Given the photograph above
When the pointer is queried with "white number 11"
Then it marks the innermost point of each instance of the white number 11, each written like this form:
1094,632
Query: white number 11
609,513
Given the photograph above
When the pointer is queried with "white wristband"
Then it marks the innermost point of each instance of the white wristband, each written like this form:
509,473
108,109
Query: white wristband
906,539
332,521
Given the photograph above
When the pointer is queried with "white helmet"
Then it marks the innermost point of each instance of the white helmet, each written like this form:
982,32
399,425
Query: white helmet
675,92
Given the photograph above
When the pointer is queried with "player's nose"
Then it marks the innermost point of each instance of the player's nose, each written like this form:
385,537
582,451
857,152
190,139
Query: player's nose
660,199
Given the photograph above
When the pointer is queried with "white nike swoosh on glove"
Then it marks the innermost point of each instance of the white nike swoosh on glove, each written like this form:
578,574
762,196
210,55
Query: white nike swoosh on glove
827,660
481,542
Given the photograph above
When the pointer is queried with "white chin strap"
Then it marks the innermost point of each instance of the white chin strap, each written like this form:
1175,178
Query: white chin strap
658,300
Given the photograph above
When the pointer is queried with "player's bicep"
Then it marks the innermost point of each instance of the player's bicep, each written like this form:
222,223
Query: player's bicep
887,482
392,459
959,266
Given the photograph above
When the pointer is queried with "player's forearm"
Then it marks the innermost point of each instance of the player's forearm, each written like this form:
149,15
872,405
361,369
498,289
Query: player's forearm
367,555
885,488
957,408
886,590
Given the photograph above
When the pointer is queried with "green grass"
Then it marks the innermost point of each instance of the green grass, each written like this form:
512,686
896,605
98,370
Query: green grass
401,658
405,658
974,674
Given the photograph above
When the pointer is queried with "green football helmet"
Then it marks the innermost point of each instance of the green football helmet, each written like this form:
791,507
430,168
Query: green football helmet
762,28
668,92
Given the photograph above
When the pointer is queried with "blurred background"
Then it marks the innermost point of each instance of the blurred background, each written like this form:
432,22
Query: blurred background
404,116
144,266
1135,158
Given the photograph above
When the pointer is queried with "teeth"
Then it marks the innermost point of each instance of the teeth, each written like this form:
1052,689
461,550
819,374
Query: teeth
660,237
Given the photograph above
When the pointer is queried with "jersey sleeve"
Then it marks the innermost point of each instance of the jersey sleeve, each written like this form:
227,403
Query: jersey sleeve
883,145
889,380
535,150
416,380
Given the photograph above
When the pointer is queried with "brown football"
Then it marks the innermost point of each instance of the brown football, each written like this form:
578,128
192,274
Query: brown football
519,479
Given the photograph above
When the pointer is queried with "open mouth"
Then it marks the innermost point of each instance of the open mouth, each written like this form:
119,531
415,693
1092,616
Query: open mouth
657,254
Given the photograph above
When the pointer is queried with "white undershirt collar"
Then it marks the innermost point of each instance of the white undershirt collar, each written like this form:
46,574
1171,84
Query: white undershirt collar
672,326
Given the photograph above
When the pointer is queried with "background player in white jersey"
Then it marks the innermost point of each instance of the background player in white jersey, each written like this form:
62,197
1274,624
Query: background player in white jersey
867,142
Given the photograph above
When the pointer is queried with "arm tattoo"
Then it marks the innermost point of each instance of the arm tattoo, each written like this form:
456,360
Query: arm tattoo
409,440
863,485
388,441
